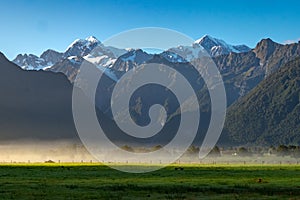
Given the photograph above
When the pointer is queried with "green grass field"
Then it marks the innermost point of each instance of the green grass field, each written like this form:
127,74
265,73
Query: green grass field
95,181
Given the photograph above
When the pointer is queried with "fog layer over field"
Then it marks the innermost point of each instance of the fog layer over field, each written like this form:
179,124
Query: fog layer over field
64,151
67,151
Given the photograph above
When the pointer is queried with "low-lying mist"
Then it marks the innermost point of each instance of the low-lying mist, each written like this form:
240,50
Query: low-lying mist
70,151
40,151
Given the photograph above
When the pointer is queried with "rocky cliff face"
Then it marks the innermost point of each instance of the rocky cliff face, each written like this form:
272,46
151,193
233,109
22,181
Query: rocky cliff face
273,55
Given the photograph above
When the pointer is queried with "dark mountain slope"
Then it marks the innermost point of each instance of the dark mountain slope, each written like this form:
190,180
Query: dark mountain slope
270,113
34,104
243,71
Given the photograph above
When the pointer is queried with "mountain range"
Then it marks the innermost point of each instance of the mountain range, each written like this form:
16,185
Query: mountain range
92,50
242,68
248,75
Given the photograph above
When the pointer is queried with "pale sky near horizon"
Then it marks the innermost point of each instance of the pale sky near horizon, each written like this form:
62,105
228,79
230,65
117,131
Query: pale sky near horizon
32,26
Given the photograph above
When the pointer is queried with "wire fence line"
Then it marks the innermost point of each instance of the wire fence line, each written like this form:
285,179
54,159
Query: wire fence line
178,162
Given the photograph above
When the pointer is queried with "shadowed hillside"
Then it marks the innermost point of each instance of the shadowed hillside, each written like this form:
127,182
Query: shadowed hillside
34,104
269,114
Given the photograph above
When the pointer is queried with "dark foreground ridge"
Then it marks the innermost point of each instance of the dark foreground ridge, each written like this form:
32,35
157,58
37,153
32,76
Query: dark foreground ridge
34,105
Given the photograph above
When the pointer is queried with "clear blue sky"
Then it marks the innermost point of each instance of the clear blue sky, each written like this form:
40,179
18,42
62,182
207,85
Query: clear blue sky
33,26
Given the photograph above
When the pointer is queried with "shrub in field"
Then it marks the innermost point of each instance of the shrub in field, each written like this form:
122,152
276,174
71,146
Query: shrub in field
215,152
49,161
242,151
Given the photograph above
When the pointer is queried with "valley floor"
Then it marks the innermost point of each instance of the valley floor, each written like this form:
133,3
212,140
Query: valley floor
193,181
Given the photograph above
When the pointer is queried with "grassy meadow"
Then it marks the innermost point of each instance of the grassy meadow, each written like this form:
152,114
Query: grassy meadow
188,181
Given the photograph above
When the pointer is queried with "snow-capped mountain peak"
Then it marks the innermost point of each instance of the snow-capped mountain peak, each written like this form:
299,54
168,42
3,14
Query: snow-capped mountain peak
205,37
82,47
218,47
92,39
78,48
206,44
87,42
